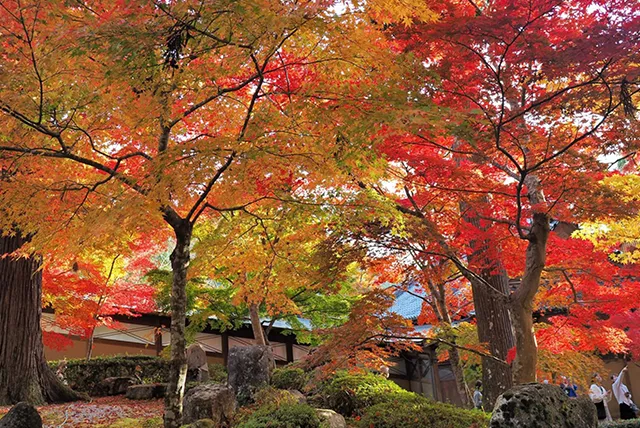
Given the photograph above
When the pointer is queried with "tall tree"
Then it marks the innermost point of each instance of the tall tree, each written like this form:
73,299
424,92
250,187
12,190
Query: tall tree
140,115
532,94
25,375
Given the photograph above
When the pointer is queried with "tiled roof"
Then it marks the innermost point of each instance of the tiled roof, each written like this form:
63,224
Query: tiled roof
407,305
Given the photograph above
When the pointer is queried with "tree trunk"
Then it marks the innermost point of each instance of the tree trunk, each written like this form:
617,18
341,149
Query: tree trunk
89,350
24,373
493,319
439,305
180,258
256,325
456,368
494,328
524,365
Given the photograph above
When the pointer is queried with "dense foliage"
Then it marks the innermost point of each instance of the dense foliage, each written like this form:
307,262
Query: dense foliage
351,394
421,414
295,158
290,378
284,416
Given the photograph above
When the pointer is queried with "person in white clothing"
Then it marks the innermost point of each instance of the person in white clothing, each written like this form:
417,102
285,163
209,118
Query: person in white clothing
599,396
623,396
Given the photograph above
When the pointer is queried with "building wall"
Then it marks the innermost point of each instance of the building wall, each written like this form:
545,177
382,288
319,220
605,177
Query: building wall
148,336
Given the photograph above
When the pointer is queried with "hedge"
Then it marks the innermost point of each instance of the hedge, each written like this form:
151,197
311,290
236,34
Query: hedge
85,376
631,423
421,414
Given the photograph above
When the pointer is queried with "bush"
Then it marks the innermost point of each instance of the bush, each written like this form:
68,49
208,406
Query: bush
350,394
631,423
85,376
289,378
284,416
421,414
217,373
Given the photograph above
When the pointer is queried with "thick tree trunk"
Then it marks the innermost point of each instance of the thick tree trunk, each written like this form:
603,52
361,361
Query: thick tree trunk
256,325
24,373
490,290
494,328
522,301
180,258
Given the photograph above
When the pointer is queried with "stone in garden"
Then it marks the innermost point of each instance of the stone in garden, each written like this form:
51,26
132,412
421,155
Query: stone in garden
210,401
298,396
146,391
114,386
197,364
536,405
333,419
22,415
249,369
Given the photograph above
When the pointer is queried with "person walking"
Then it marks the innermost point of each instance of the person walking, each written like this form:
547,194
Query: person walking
598,396
623,396
477,396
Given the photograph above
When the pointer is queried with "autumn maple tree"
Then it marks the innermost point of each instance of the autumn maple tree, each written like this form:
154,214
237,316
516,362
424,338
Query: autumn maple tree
140,116
516,106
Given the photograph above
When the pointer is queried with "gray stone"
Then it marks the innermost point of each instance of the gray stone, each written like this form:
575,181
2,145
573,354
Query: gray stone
249,369
536,405
197,365
22,415
210,401
114,386
146,391
333,419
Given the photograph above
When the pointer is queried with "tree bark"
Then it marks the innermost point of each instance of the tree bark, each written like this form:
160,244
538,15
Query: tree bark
24,373
526,360
493,319
494,328
256,325
180,258
90,344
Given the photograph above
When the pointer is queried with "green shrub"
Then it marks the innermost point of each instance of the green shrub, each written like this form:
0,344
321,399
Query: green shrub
421,414
284,416
273,397
289,378
85,376
349,394
217,373
631,423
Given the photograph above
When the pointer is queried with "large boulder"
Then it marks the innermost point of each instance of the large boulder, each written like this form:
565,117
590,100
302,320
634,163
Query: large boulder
197,364
210,401
114,385
331,418
146,391
537,405
22,415
249,369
